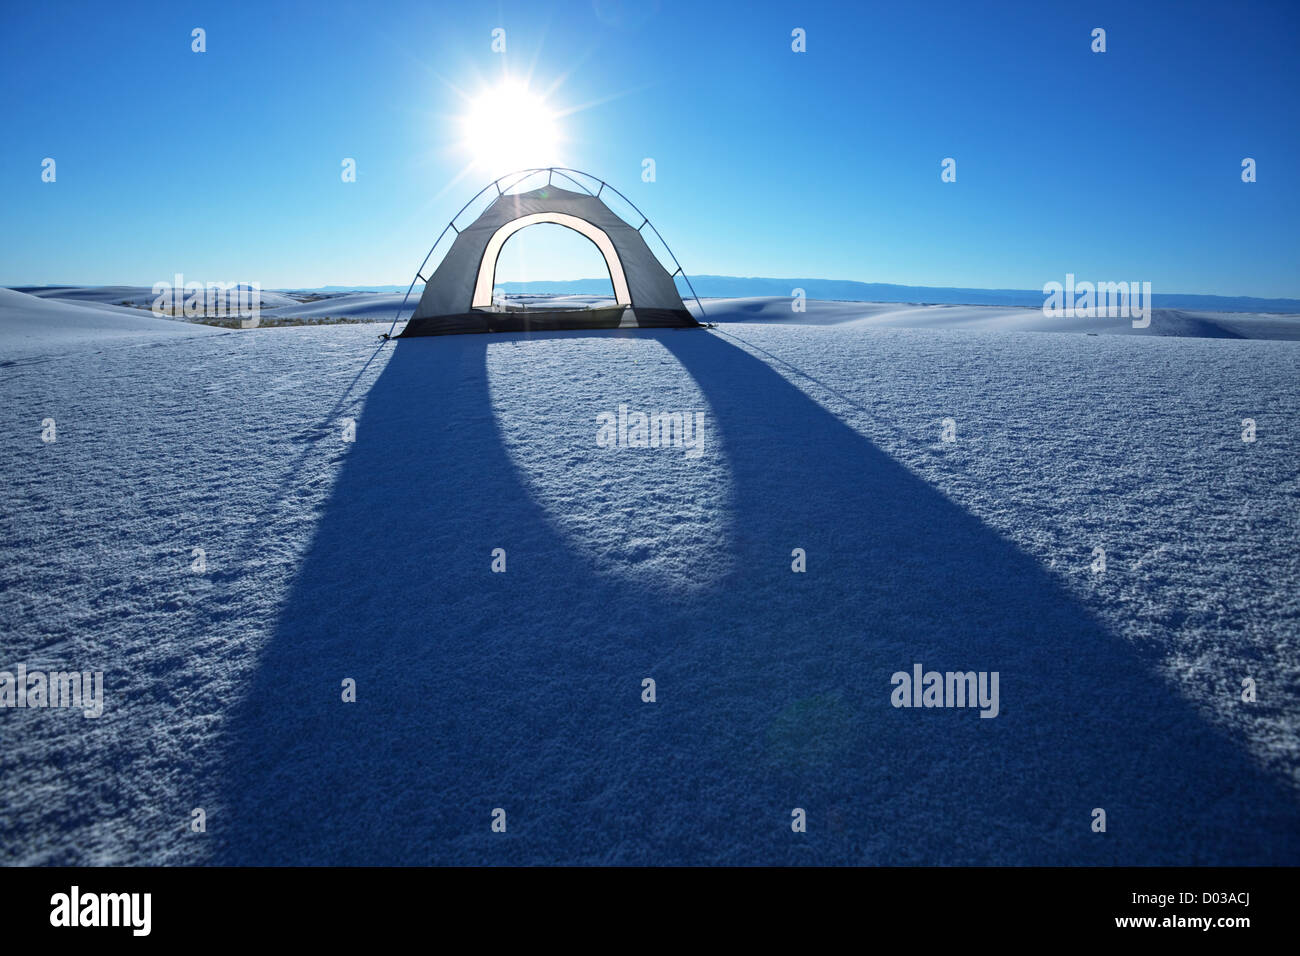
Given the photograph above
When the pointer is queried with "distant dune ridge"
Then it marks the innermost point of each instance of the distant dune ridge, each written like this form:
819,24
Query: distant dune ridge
371,306
733,287
738,287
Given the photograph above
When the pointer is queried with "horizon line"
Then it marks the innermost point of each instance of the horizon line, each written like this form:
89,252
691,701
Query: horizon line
363,287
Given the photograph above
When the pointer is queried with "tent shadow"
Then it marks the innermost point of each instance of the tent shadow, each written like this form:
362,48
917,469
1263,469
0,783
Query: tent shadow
522,690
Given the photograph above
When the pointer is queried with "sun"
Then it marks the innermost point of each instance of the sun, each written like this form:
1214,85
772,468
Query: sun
509,127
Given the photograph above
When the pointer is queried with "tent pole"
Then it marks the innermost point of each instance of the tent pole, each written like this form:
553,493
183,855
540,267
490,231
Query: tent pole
574,181
689,285
389,334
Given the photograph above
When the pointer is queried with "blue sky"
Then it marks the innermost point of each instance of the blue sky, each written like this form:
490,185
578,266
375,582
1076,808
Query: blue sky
225,165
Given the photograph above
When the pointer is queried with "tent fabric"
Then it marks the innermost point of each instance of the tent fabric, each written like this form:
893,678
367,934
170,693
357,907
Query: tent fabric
458,293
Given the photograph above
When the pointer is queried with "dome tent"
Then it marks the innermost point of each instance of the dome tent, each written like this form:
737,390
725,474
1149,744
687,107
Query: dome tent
458,294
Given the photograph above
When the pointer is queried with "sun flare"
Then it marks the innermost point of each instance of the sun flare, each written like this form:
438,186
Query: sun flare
509,127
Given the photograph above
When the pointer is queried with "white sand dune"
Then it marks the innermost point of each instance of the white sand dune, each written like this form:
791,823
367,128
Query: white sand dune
33,326
1164,322
138,296
379,306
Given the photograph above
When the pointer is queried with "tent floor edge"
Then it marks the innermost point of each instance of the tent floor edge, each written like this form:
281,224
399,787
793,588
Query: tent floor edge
619,317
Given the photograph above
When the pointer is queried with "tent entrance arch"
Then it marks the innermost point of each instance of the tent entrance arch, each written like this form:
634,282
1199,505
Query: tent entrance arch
457,293
599,238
